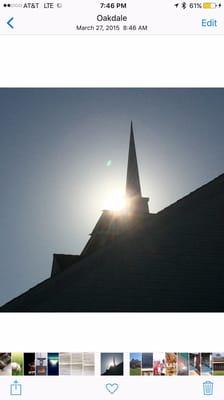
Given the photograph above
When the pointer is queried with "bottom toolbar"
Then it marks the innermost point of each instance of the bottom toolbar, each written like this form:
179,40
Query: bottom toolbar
102,388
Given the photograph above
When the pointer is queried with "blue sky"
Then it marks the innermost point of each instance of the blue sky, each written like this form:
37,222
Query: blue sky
136,356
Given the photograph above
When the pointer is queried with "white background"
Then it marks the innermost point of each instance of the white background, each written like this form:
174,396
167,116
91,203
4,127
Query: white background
112,332
85,61
111,61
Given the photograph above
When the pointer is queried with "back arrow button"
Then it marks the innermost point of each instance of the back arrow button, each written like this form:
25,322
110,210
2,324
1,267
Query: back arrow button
9,23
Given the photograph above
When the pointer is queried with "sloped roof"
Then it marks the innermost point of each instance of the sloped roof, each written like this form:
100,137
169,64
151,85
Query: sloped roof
173,262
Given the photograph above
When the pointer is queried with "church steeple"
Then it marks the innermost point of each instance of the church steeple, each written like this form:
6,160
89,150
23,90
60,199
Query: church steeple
135,202
112,224
133,187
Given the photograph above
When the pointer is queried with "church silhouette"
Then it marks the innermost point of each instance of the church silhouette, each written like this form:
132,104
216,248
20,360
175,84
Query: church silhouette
138,261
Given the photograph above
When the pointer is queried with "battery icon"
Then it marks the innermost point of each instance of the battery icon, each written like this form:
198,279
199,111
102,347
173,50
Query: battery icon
209,5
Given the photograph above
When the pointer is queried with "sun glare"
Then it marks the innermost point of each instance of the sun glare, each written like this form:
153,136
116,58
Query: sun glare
115,201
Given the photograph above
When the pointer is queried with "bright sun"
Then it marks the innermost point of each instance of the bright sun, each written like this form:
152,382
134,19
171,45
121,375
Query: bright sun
115,201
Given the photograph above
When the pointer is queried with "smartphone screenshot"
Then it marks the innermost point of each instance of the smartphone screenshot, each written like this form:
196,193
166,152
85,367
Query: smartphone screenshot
111,206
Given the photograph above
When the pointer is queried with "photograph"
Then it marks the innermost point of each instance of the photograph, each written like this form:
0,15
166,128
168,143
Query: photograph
195,364
41,364
159,364
29,364
65,363
17,364
182,364
218,364
206,364
171,364
135,364
77,364
88,364
5,364
112,364
53,363
98,183
147,364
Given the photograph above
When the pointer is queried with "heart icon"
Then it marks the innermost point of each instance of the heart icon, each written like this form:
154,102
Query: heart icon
112,387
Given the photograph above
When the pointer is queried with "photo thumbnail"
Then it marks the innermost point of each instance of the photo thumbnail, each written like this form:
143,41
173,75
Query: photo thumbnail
182,364
159,364
17,364
112,364
41,364
29,364
206,364
218,363
5,364
171,364
77,364
53,363
195,364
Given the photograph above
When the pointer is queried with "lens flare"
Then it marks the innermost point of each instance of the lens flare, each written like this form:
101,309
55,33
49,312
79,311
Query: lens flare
115,201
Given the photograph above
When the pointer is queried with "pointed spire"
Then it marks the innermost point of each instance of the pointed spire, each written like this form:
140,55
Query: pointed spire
136,204
133,187
114,362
